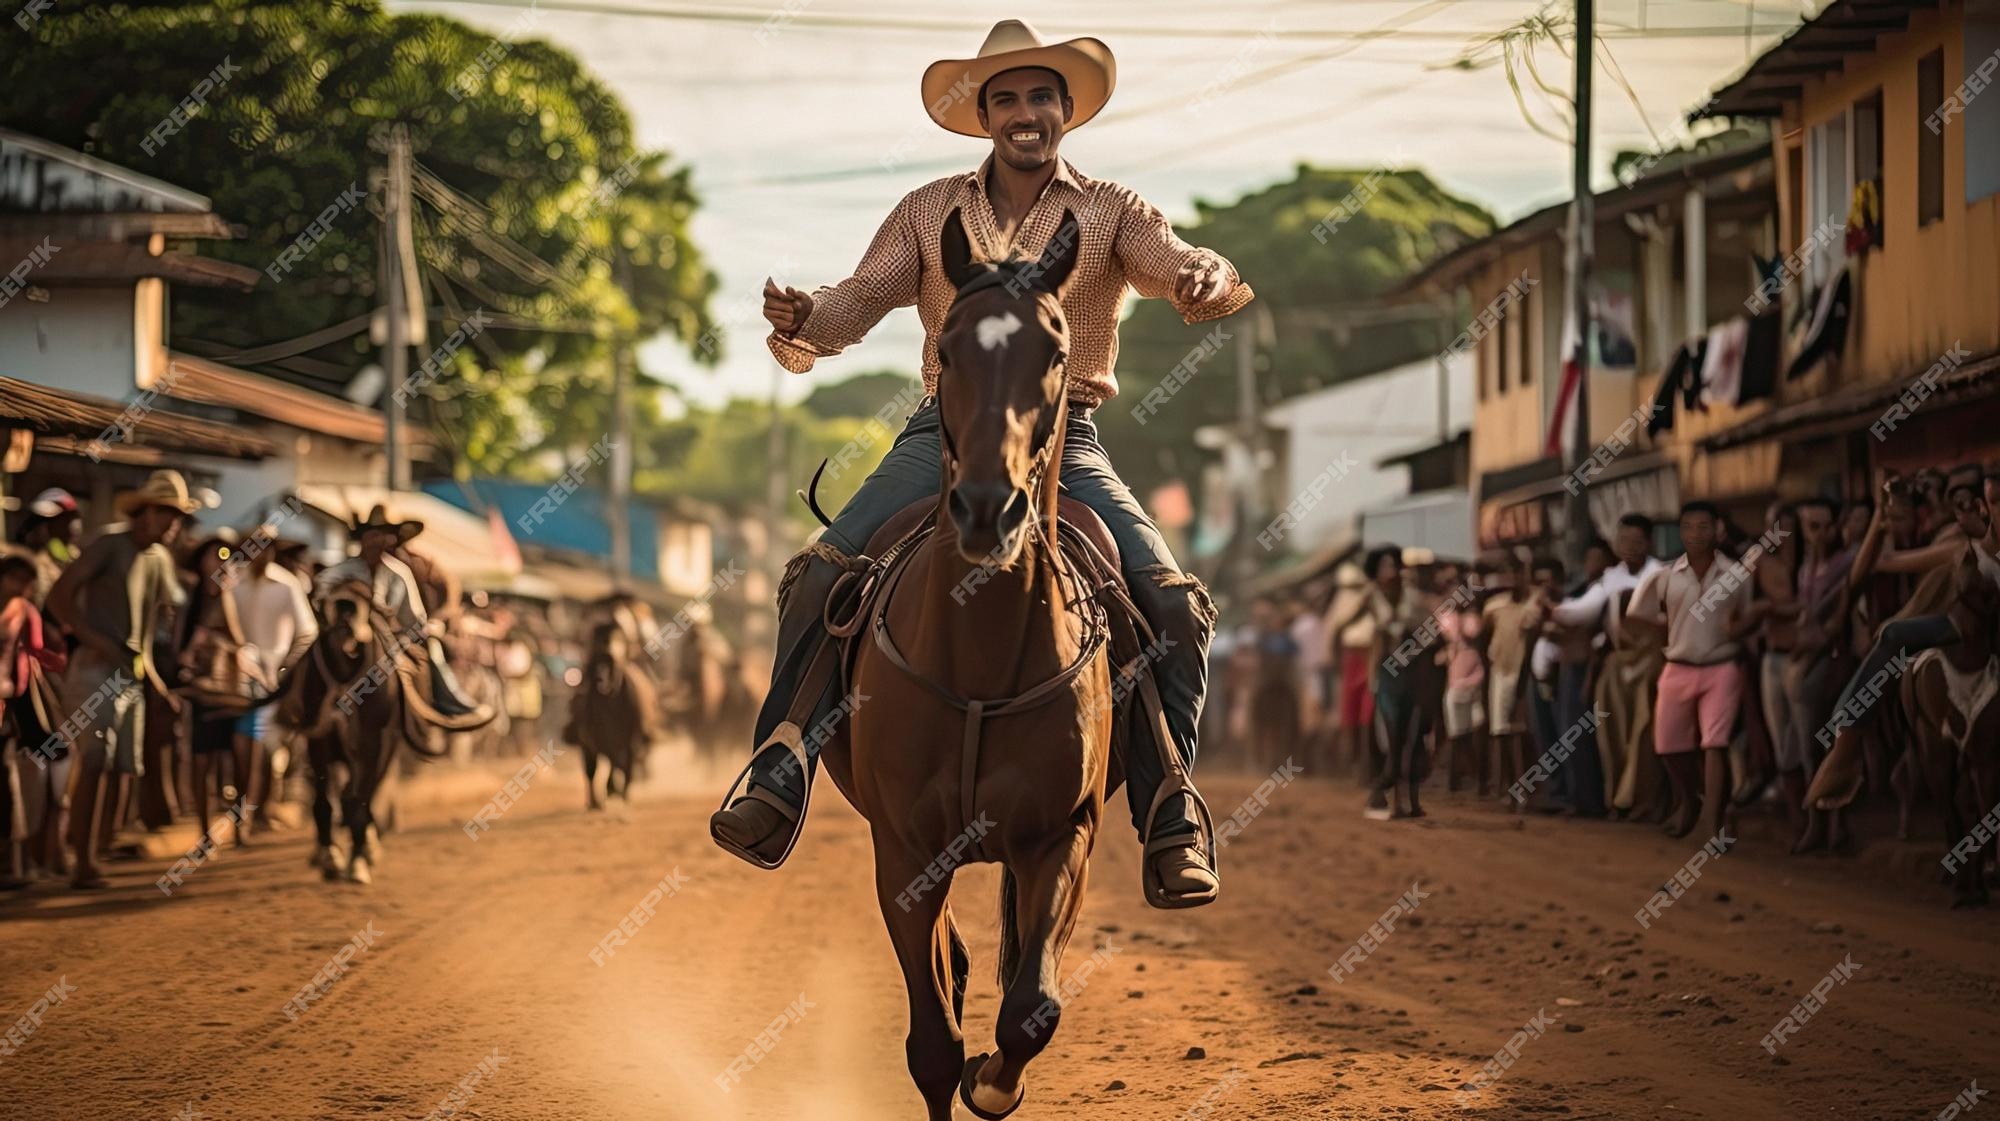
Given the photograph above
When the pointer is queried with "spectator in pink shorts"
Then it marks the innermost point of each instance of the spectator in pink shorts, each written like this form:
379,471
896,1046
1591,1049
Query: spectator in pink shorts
1704,601
1465,693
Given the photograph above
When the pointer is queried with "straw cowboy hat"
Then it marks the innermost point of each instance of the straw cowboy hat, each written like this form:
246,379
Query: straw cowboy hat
951,87
378,518
161,488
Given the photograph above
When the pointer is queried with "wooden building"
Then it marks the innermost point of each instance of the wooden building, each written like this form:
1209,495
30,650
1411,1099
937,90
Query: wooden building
1886,128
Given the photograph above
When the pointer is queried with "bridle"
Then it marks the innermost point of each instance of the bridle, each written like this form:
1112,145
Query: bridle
1041,479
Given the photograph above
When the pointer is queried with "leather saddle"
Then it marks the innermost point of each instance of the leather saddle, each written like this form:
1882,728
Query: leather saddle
1089,557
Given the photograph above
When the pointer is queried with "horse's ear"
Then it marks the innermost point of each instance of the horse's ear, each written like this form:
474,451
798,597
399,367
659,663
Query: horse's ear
955,248
1059,256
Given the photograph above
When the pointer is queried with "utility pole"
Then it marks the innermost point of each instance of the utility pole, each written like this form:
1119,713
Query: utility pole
395,265
1251,437
1582,249
619,492
775,474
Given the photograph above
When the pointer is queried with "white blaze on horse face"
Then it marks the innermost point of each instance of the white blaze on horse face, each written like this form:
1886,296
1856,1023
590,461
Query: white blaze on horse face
994,330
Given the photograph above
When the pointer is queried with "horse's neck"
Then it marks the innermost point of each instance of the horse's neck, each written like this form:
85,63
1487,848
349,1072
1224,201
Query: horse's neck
1004,622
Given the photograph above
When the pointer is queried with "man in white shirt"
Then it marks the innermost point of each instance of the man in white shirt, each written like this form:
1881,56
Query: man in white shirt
1597,610
1704,602
1598,605
279,626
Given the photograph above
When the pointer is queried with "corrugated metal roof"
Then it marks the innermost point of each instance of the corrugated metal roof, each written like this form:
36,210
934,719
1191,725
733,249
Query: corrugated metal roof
1816,47
58,412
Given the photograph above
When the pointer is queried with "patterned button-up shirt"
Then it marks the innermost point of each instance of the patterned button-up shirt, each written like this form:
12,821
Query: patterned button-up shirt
1126,240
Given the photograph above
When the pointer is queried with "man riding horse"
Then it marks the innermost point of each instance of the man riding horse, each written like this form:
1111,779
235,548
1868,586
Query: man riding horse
396,593
1024,95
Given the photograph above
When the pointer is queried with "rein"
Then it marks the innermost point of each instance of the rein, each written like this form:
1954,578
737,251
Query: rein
1044,476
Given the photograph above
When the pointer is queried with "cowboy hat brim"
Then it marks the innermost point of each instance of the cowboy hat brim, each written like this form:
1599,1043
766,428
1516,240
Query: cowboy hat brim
132,502
951,87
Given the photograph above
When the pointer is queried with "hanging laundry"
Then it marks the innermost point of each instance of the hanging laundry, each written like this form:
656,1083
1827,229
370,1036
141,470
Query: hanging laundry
1827,334
1760,357
1670,386
1691,383
1722,370
1864,217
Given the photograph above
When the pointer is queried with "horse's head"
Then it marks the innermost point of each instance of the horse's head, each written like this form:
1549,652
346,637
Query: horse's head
1001,389
608,645
344,618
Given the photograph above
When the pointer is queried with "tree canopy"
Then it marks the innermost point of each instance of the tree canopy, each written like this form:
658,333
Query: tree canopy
532,201
1378,227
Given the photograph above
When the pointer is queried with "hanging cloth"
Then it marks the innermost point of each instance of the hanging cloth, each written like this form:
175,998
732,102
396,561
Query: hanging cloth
1662,419
1722,370
1760,357
1827,335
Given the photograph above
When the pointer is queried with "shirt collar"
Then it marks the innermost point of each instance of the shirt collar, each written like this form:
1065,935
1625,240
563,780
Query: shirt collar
1065,174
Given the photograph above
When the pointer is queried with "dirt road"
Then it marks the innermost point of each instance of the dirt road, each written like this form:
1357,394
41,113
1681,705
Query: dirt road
472,968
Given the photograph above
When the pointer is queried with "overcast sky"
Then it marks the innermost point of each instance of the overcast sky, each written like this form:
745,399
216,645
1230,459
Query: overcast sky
771,111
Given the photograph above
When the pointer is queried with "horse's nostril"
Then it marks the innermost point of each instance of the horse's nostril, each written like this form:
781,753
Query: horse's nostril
979,505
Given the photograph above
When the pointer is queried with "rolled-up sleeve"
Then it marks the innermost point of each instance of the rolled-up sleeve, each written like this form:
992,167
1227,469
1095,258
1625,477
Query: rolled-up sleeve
1153,256
842,313
1648,603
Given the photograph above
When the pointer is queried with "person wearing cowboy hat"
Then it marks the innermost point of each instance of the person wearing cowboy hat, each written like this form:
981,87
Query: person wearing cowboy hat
109,602
396,593
1021,95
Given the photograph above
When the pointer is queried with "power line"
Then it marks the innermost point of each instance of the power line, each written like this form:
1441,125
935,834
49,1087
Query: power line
1263,74
837,22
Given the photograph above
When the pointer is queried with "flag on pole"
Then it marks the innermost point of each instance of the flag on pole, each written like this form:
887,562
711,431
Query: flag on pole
1562,431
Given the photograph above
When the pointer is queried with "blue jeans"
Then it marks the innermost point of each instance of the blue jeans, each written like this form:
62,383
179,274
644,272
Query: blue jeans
1584,769
1542,724
1175,605
1904,636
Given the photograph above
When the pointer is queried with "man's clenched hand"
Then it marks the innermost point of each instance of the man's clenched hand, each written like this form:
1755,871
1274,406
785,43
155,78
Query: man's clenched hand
786,308
1202,281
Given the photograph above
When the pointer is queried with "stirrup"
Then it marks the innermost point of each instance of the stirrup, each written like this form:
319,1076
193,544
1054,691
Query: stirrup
788,736
1174,783
1203,835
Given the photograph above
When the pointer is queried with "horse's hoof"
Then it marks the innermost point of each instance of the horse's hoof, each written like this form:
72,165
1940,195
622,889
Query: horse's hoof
973,1093
358,872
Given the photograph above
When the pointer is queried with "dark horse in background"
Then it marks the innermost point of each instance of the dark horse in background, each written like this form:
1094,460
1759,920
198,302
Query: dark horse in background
354,694
613,715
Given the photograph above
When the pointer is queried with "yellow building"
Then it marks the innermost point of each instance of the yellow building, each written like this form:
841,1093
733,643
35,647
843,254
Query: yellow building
1511,286
1889,102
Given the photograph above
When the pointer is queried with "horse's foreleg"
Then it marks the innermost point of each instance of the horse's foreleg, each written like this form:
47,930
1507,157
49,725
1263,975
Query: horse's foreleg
1984,777
590,801
1046,898
1939,763
319,764
913,907
371,763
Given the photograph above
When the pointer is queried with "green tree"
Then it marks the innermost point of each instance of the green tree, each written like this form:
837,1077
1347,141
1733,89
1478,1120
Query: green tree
1322,244
533,202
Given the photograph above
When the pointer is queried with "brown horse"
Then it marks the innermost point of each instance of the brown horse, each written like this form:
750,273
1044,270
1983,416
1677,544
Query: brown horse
612,716
351,696
982,710
1952,697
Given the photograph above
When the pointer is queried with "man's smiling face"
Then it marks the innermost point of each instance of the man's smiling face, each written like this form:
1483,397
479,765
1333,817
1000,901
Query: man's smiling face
1025,111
